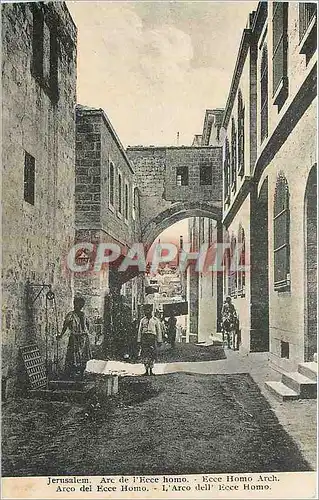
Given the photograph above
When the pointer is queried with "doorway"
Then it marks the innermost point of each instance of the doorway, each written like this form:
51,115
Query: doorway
310,345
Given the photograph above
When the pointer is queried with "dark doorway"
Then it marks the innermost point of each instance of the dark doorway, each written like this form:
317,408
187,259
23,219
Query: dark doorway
311,265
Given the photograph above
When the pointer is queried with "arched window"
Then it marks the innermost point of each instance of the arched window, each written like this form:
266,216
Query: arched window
281,235
226,172
264,94
241,277
241,135
233,156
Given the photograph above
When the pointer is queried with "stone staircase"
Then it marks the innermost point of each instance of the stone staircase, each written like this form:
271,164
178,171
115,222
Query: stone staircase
297,385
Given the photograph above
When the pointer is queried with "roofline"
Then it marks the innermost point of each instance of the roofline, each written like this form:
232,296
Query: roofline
210,112
101,112
241,58
260,18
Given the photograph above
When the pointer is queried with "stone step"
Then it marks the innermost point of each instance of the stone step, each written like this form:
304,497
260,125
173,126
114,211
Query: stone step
304,386
309,370
67,385
281,391
64,395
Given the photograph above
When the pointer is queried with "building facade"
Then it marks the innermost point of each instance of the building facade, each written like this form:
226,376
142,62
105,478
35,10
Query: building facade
106,211
38,99
269,178
204,292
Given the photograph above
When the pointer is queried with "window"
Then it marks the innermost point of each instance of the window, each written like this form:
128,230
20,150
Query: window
29,178
308,29
281,235
241,276
120,194
307,12
284,349
126,202
45,53
226,172
280,49
233,156
182,176
111,183
135,203
241,135
210,232
264,94
233,267
205,174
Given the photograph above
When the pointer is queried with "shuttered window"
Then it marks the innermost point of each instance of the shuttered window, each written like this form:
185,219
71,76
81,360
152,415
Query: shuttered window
226,172
280,44
233,156
111,183
281,235
241,135
45,48
120,194
233,267
126,202
241,276
264,94
307,12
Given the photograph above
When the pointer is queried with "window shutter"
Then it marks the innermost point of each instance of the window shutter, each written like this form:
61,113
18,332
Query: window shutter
281,235
280,43
264,95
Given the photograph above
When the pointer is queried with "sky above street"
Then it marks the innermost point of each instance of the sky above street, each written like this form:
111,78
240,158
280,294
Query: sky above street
154,67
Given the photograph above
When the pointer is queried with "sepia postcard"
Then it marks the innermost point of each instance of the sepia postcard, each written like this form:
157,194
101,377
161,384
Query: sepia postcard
159,250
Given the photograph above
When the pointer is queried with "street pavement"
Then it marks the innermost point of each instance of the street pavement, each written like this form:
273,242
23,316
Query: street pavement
211,416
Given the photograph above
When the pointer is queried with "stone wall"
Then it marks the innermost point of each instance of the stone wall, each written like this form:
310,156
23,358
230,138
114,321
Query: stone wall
38,119
156,175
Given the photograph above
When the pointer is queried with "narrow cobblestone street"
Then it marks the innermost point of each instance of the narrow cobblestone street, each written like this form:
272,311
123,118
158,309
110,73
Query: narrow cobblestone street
174,423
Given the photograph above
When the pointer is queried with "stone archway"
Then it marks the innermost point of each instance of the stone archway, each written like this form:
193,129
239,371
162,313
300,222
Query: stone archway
310,340
175,213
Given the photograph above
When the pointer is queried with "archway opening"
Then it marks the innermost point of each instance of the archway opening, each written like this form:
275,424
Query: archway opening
310,344
186,283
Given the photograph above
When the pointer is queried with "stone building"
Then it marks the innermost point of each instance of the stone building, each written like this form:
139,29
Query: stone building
38,99
269,165
106,211
176,183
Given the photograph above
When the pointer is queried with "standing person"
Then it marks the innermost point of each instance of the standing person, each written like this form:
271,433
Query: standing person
171,329
78,351
229,322
146,337
160,327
